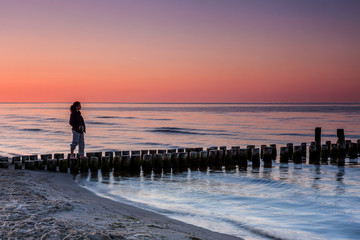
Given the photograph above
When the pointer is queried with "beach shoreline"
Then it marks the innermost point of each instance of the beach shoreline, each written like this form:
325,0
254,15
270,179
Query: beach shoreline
47,205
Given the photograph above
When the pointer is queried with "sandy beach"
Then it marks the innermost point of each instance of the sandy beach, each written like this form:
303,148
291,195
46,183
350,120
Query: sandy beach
45,205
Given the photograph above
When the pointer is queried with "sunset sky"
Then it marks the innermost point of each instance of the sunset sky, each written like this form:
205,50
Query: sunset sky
180,51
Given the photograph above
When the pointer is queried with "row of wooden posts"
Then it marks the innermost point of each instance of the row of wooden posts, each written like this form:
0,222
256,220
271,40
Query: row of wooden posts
181,159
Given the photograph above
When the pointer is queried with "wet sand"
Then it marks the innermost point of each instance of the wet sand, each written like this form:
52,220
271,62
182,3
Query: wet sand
46,205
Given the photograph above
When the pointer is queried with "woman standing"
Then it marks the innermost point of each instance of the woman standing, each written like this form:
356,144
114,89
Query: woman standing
78,129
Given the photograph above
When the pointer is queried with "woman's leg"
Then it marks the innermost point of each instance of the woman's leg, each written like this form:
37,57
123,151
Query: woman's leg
75,141
81,144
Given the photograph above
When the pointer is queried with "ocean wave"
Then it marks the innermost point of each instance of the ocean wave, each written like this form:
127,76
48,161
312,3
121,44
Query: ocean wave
189,131
33,129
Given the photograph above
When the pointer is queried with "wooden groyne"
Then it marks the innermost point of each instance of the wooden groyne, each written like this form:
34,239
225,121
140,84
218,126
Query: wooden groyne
179,160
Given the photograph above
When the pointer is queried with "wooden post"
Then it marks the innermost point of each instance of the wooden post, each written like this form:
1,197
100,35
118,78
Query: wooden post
125,153
94,164
117,153
51,165
4,162
212,148
333,153
353,151
262,147
297,155
45,157
318,140
25,158
152,152
347,143
303,151
212,156
220,158
274,151
84,164
18,164
175,162
136,152
180,150
125,163
223,148
166,162
63,165
249,151
30,165
105,164
228,156
58,156
135,163
111,158
161,151
147,164
183,161
39,164
290,147
341,135
255,158
324,153
313,155
194,160
234,159
341,150
267,157
117,163
243,162
74,165
158,163
143,152
284,155
204,161
15,159
33,157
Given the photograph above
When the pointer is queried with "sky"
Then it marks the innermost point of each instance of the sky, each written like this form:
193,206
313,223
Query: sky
180,51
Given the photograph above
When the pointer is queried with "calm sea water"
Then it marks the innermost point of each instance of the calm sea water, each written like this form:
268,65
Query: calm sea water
292,202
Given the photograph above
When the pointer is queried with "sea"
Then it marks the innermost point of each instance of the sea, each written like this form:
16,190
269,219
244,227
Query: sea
293,201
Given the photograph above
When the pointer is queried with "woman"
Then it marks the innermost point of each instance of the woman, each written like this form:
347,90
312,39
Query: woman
78,129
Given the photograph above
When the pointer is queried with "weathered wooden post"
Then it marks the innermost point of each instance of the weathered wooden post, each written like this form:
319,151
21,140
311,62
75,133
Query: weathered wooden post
74,165
212,148
212,156
234,155
51,165
99,156
117,153
143,152
173,150
4,162
30,165
175,162
303,151
166,162
94,164
63,165
267,157
274,151
180,150
220,158
25,158
204,161
158,163
161,151
318,140
341,150
284,155
313,155
153,152
290,147
183,161
45,157
117,163
58,156
297,155
347,144
333,153
353,151
249,151
325,153
18,164
329,144
255,158
15,159
39,164
33,157
105,164
84,164
341,135
243,162
194,160
125,163
199,149
135,163
262,147
111,158
147,164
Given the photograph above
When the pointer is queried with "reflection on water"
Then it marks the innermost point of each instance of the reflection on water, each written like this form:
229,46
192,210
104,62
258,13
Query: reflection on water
311,202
